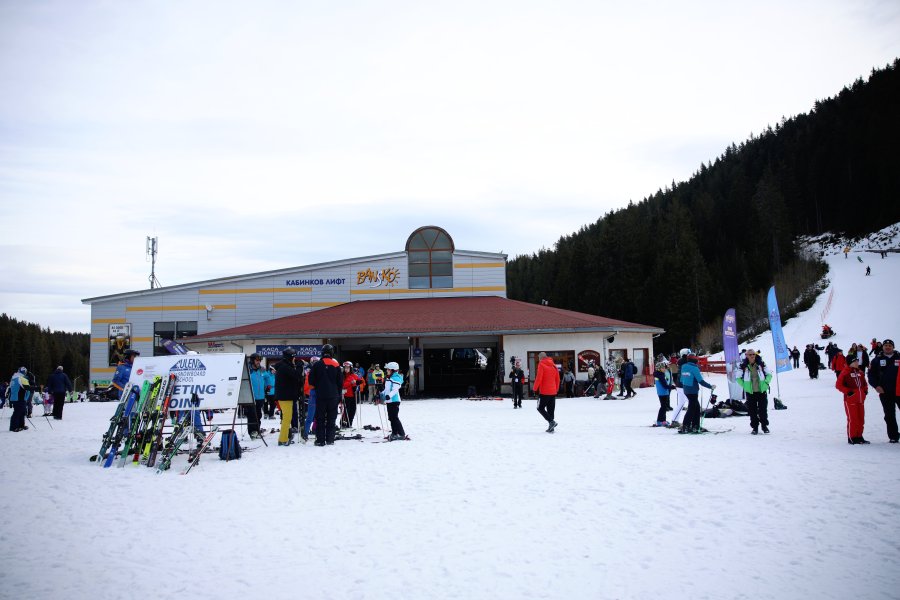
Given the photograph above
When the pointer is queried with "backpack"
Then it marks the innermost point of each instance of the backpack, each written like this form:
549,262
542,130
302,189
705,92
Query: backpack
230,448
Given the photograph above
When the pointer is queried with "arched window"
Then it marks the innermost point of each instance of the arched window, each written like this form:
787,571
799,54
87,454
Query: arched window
430,252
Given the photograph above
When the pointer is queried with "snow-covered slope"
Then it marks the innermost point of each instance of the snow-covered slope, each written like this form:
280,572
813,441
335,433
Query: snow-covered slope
482,503
861,307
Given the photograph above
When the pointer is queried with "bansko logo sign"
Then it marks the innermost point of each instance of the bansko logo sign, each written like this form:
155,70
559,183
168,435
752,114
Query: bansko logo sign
388,277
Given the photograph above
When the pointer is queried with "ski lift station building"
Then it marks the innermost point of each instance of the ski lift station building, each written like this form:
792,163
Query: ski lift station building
438,309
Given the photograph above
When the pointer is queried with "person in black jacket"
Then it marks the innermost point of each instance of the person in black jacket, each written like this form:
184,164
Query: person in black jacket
58,385
326,377
517,378
795,357
811,360
288,385
883,378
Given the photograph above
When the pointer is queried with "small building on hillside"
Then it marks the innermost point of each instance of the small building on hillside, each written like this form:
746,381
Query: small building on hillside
438,311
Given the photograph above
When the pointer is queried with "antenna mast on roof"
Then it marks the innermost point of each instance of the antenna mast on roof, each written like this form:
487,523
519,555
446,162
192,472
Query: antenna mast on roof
151,253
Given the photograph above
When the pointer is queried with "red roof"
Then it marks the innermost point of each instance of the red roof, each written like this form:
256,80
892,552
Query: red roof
422,316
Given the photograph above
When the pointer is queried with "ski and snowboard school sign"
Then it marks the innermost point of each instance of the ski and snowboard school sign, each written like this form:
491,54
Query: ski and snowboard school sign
219,380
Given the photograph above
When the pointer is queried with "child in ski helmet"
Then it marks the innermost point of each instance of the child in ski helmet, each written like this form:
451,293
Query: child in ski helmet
393,381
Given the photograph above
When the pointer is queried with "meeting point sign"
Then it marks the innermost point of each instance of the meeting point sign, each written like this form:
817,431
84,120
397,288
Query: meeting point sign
214,378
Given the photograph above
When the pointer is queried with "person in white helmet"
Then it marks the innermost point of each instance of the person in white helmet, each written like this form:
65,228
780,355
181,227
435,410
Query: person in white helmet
393,381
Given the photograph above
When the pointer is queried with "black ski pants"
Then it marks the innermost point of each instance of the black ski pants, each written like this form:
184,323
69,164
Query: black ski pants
59,402
626,385
758,407
349,411
813,371
692,416
270,407
517,394
17,421
663,407
252,419
326,418
547,407
890,403
393,413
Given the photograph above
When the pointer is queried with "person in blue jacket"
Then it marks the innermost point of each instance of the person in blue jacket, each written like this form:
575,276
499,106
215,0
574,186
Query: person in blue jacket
269,382
628,372
123,373
19,390
258,388
691,380
664,387
393,381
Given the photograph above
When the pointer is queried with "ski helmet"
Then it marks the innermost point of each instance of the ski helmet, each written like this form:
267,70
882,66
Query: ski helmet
347,364
327,350
289,353
685,351
131,352
392,366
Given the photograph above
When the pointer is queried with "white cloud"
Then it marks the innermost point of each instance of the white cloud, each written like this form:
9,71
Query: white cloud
283,134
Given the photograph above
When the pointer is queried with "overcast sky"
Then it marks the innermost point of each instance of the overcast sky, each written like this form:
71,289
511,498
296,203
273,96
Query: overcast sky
250,136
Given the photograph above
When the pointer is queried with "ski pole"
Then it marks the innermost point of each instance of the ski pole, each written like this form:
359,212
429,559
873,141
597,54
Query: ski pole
48,421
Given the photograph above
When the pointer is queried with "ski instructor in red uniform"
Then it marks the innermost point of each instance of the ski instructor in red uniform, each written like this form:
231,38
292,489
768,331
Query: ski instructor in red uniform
546,385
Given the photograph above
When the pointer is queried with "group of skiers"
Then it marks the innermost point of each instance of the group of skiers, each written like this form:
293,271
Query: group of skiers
326,387
23,392
883,377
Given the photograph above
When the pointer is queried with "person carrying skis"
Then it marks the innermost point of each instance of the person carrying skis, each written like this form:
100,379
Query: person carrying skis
754,378
852,382
352,382
391,398
517,378
546,386
664,387
691,380
326,379
884,377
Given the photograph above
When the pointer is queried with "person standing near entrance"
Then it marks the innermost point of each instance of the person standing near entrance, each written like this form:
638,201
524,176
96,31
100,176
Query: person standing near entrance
351,385
391,397
258,389
59,385
546,386
326,380
288,383
884,377
517,378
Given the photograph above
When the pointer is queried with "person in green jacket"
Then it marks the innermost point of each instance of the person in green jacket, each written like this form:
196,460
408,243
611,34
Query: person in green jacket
754,378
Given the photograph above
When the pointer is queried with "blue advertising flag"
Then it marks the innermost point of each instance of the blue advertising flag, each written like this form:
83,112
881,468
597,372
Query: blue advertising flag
732,355
782,355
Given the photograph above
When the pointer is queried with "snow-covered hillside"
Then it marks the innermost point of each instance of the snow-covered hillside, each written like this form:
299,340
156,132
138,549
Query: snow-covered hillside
856,306
483,504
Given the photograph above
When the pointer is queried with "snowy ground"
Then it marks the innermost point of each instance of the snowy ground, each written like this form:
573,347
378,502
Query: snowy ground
483,504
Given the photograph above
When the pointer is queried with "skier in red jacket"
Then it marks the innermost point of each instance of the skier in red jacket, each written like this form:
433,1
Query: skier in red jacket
546,385
852,382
